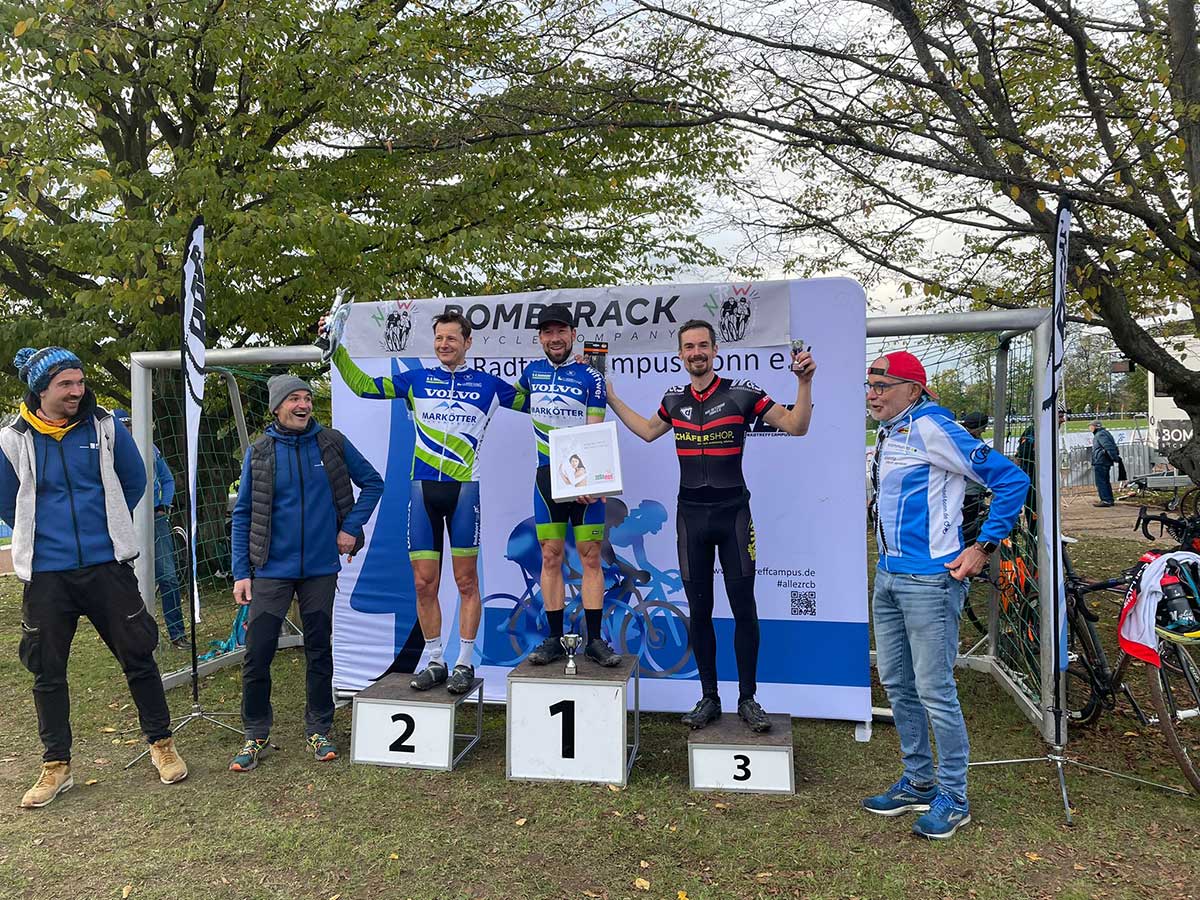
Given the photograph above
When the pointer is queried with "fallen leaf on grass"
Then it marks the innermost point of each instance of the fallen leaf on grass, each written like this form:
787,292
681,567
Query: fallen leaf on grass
641,884
721,805
101,761
1078,868
37,842
520,821
126,891
1131,734
763,876
1032,856
107,729
681,895
593,894
92,781
672,828
393,856
643,864
335,897
615,788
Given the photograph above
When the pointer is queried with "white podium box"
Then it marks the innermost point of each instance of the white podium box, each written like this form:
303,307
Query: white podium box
394,725
572,727
585,460
728,756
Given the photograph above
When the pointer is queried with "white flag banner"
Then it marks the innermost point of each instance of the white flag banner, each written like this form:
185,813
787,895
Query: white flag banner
631,319
192,348
1051,536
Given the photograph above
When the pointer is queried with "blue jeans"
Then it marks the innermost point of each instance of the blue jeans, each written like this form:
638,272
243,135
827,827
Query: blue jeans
166,579
1103,485
916,642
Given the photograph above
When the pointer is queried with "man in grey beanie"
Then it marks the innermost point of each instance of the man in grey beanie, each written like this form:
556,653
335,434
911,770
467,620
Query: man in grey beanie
299,475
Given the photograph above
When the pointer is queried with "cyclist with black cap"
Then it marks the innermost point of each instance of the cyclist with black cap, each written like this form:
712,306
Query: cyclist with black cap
563,393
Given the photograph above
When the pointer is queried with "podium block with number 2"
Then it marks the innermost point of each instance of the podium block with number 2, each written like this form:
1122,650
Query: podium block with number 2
572,728
394,725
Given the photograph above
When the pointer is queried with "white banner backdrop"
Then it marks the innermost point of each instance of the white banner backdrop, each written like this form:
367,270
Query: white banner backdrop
808,500
631,319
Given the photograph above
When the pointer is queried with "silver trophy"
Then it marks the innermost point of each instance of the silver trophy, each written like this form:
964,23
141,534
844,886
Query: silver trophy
570,643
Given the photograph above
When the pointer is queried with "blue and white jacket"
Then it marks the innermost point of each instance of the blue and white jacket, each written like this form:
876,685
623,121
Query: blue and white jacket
922,461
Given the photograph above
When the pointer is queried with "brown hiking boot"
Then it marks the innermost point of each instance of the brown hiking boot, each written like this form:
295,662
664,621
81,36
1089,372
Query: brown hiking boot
170,765
55,778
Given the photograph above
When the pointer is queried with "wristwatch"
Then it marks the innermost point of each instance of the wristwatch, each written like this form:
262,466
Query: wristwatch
987,548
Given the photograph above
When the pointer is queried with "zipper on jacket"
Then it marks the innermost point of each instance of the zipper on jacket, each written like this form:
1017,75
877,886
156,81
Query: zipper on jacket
881,438
442,455
300,472
71,497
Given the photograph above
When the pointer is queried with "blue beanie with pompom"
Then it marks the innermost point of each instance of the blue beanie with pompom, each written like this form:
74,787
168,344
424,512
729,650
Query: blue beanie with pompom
37,367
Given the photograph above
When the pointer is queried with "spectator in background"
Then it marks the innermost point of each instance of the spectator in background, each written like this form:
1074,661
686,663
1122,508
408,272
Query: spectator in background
165,577
975,493
1104,455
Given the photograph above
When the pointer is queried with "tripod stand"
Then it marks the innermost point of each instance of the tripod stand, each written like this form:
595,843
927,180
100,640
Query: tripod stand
197,712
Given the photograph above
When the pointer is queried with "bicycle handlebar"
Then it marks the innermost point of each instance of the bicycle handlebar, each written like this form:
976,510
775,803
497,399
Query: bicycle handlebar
1176,527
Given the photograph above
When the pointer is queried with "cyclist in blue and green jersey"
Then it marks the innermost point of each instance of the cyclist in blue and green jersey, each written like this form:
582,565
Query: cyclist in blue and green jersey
451,405
562,393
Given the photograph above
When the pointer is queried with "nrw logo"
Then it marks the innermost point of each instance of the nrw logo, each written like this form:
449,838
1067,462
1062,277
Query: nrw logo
735,311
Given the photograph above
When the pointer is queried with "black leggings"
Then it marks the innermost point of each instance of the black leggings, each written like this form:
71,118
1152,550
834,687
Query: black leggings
725,531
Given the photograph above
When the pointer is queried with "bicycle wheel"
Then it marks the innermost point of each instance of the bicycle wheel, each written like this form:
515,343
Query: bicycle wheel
1084,702
1176,696
510,630
665,638
969,609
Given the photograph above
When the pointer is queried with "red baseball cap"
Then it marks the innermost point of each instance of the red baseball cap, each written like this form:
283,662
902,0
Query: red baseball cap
903,365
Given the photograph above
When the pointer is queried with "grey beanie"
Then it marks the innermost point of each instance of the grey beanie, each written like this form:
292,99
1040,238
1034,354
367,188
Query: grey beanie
279,386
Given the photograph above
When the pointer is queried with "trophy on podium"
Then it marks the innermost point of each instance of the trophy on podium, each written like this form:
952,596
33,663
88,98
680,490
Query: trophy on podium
571,644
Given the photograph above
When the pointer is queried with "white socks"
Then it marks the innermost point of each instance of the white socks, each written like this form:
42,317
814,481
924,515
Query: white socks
466,652
435,651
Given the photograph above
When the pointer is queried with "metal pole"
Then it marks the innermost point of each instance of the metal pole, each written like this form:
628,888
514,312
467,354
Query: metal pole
143,514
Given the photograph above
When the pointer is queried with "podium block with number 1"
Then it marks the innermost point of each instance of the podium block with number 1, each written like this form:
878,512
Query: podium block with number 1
572,727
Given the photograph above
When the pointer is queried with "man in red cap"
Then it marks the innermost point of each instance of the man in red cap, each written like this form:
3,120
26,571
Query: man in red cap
923,459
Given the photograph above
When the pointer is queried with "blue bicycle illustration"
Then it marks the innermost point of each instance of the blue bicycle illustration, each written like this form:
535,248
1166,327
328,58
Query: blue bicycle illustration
638,617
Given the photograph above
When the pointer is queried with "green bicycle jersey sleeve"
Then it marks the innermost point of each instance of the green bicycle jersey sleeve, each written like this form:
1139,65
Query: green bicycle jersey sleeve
392,387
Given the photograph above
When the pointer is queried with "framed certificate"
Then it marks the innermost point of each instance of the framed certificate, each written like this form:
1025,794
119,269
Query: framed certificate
585,460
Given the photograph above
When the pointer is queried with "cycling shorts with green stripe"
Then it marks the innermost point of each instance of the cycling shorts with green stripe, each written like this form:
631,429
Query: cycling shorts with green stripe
552,516
439,506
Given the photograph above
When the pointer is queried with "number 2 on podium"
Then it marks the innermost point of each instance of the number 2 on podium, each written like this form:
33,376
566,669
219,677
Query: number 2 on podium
567,708
398,745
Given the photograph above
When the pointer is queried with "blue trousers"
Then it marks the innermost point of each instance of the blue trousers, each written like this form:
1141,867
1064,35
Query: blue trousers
166,579
1103,485
916,642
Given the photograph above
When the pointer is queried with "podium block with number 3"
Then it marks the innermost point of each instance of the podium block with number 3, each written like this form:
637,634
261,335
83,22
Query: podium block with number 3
393,725
728,756
572,728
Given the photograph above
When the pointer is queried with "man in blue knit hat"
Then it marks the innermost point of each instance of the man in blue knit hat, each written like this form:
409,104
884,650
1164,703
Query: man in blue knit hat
166,578
69,480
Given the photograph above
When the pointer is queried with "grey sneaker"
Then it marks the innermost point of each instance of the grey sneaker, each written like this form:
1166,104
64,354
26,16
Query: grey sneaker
431,676
460,679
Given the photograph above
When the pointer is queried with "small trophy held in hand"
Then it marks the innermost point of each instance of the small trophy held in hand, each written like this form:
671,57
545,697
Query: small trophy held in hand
571,644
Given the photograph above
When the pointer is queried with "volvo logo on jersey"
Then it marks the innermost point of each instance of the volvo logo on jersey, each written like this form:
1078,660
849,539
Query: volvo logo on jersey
632,319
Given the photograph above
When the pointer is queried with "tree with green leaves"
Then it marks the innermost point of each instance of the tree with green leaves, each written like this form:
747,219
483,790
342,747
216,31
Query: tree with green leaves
931,141
386,147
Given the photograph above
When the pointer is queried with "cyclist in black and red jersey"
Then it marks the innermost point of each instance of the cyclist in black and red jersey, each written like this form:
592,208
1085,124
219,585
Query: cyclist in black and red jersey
710,417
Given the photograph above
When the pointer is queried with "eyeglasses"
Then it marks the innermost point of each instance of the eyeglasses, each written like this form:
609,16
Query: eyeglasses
879,388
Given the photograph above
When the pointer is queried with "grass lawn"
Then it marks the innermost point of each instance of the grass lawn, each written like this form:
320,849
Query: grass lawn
298,829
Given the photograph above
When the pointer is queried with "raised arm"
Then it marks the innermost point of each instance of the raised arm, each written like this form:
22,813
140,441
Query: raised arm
393,387
647,429
796,420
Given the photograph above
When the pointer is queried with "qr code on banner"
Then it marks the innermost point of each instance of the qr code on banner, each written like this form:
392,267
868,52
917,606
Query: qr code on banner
804,603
